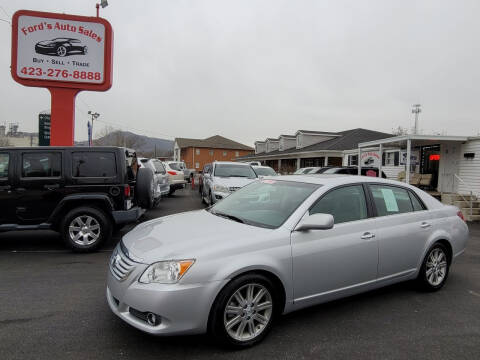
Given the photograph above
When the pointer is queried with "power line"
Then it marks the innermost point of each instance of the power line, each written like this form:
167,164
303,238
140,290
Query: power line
6,21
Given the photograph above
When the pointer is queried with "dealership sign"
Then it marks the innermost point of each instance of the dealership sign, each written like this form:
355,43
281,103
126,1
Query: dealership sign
64,53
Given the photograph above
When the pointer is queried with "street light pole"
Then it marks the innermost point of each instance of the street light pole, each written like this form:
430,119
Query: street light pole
416,110
94,117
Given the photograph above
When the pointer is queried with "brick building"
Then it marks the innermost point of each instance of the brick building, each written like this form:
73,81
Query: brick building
198,152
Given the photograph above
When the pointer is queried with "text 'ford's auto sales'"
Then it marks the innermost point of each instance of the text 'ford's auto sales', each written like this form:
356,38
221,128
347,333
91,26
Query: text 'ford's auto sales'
60,50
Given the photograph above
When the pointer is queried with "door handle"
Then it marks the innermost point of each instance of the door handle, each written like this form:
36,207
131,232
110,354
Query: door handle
5,187
425,225
367,235
51,186
20,189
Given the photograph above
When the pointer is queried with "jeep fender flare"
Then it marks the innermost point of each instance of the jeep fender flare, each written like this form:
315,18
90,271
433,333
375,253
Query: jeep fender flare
85,199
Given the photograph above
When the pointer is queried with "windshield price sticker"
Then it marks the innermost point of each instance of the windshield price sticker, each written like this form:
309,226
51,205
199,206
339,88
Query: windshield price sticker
60,50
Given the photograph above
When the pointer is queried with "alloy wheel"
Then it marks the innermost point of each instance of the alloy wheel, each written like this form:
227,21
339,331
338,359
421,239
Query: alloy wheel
84,230
436,267
248,312
61,51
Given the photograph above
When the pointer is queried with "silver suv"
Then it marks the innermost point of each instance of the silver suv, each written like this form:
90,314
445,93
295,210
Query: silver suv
221,178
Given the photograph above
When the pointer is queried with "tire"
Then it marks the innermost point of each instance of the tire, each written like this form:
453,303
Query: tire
61,51
145,188
435,268
210,198
94,220
247,325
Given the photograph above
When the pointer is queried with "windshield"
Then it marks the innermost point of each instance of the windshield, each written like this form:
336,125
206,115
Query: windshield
267,203
265,171
232,170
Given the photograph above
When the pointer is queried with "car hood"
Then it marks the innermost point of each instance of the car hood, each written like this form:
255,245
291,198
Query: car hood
165,239
233,181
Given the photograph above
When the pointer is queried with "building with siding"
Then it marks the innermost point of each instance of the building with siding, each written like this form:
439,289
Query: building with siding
198,152
318,148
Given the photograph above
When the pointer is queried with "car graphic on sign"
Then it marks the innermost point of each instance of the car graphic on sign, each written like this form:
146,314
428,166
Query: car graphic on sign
61,47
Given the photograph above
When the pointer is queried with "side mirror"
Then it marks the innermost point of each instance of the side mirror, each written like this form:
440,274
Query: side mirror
316,222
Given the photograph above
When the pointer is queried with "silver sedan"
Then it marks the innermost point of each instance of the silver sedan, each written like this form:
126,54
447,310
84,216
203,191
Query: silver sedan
278,245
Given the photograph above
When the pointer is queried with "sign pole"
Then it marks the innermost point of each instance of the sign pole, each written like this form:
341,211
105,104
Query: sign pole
66,54
62,128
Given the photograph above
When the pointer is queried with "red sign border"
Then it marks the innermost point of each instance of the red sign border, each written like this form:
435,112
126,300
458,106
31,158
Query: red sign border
108,56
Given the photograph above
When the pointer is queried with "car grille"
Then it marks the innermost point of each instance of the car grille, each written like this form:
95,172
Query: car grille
234,188
120,264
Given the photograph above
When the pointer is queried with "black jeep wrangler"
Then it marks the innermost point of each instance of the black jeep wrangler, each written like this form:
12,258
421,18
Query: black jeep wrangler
82,192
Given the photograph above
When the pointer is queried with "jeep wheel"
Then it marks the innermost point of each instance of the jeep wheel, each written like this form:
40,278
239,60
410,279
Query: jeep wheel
84,229
145,188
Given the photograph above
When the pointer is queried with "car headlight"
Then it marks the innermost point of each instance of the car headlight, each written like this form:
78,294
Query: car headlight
220,188
166,272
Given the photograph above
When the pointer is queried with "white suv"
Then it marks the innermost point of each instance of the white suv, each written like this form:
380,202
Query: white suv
221,178
176,178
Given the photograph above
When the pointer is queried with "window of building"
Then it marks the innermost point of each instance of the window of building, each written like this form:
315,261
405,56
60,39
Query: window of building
197,165
197,151
4,161
41,165
224,153
210,152
93,164
344,204
390,158
237,154
390,200
353,160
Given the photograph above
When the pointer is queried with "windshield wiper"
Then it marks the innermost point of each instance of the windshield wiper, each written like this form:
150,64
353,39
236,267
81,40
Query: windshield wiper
228,216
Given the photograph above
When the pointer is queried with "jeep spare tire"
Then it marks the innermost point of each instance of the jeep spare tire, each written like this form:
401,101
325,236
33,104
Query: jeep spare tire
145,188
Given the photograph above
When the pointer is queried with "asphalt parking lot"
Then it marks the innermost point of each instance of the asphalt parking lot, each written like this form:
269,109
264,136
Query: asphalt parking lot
52,305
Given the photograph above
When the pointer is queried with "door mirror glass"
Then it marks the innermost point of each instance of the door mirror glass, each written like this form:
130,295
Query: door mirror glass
316,222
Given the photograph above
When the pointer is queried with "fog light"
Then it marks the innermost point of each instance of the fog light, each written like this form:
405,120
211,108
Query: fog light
152,319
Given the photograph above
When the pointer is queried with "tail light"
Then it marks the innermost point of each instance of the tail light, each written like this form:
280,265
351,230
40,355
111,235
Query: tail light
172,172
127,190
460,215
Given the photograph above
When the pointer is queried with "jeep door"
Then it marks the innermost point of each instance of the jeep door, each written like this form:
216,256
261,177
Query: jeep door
7,196
40,185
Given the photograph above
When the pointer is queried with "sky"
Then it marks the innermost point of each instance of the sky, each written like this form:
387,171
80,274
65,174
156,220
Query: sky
252,69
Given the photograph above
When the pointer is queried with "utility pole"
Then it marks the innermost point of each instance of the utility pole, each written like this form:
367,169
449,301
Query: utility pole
416,110
94,117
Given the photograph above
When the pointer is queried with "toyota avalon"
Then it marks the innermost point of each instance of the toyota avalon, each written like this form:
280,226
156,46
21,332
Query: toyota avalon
278,245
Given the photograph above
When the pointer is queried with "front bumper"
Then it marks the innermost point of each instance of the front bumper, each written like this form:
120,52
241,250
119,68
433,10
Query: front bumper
127,216
181,309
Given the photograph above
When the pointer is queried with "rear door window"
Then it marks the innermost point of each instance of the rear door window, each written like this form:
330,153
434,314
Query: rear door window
344,204
391,200
4,162
41,165
417,205
158,166
94,164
